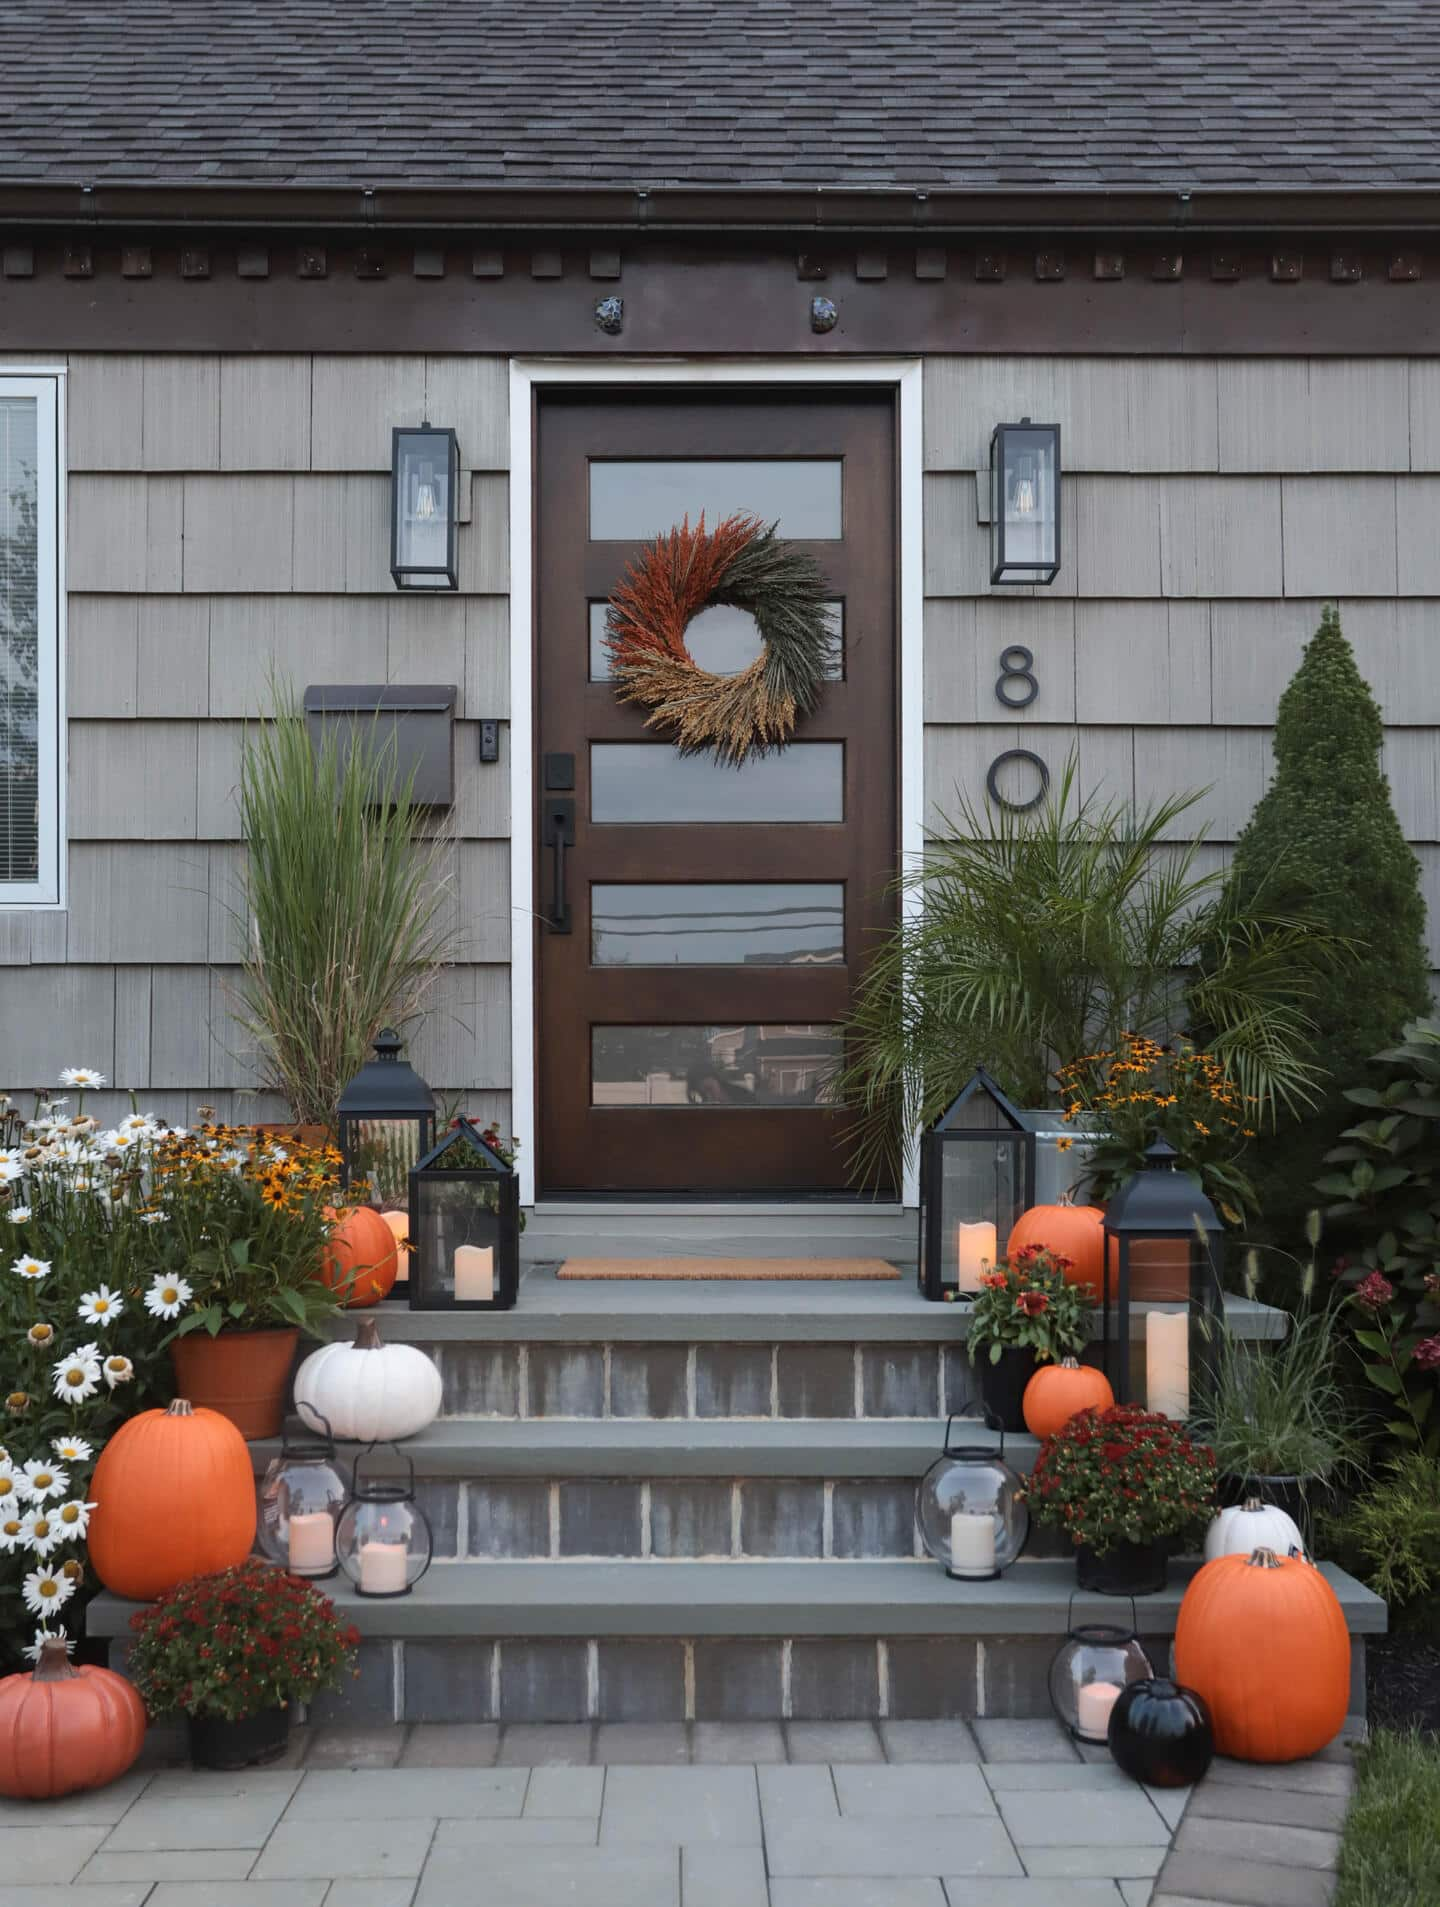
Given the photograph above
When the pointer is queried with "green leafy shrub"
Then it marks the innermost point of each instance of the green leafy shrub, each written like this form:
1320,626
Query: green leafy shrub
1026,1303
1324,842
1389,1535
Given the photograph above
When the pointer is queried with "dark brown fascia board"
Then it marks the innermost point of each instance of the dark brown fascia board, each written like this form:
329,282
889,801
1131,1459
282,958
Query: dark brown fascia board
699,209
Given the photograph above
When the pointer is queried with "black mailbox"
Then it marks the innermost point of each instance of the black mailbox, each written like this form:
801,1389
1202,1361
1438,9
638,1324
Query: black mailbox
420,722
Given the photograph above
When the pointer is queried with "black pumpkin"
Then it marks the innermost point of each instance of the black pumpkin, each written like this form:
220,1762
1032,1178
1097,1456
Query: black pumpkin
1160,1733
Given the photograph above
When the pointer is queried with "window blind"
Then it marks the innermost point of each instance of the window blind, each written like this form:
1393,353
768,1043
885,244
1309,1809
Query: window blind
20,638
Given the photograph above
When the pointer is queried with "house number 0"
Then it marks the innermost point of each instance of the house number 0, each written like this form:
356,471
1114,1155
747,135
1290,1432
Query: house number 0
1016,687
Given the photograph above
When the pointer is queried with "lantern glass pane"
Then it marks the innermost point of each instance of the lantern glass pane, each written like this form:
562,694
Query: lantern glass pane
383,1151
423,505
1028,499
457,1255
982,1194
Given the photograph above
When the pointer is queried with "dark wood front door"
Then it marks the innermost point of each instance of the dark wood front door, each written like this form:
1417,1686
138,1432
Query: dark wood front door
689,1019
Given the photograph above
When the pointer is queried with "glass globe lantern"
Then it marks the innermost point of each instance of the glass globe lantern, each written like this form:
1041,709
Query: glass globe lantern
1092,1668
383,1539
969,1511
301,1496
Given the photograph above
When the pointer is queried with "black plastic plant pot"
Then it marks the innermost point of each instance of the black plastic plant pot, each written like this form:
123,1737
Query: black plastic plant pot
1125,1569
1160,1734
247,1743
1002,1384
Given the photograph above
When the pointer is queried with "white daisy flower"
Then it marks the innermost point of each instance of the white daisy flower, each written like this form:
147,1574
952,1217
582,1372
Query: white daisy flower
139,1123
85,1077
13,1491
45,1591
71,1520
41,1333
39,1530
44,1479
167,1297
76,1379
32,1268
12,1530
87,1353
19,1214
118,1370
101,1306
154,1218
42,1636
10,1170
72,1449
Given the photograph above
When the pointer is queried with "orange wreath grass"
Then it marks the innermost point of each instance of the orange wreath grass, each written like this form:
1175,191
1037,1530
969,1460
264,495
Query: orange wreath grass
743,564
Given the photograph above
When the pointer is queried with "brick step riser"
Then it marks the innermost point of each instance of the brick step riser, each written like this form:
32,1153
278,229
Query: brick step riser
680,1519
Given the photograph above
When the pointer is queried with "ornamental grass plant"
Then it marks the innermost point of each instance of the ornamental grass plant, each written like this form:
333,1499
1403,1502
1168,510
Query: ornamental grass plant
239,1642
1123,1475
1026,1303
347,914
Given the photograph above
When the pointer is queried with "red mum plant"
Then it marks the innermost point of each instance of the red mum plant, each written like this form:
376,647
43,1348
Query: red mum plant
1026,1303
1123,1475
239,1642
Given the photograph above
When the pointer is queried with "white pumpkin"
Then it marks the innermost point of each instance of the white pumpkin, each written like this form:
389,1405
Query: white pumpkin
1253,1525
369,1391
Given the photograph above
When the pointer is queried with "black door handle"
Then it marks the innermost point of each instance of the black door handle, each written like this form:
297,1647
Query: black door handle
557,831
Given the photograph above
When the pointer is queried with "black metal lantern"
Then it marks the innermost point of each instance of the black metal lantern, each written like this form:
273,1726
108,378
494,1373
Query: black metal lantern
970,1508
1024,502
1162,1249
977,1175
424,508
383,1540
386,1121
464,1225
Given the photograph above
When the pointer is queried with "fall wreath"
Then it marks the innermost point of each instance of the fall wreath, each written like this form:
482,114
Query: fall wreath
745,565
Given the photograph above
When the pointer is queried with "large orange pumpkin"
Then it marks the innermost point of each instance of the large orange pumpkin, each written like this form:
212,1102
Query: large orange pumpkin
1263,1638
1075,1231
174,1497
65,1728
361,1260
1057,1391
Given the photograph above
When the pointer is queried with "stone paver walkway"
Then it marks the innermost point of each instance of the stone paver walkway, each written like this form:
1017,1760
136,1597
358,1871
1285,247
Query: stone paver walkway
906,1814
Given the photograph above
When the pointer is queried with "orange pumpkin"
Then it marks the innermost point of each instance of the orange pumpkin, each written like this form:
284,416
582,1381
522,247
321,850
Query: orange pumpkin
1075,1231
361,1260
1263,1639
399,1226
1057,1391
65,1728
174,1497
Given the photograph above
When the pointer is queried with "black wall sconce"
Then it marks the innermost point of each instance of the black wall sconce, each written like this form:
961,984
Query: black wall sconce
1024,502
424,507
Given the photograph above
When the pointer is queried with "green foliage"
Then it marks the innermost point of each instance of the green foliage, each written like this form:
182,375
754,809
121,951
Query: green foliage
346,917
1280,1409
1389,1535
1390,1855
1027,1304
1324,842
1384,1183
1028,940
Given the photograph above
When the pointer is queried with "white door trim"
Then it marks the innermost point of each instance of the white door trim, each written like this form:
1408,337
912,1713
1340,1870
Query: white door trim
526,375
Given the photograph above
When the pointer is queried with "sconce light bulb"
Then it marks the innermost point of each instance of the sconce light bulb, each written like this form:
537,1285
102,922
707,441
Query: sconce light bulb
425,500
1024,498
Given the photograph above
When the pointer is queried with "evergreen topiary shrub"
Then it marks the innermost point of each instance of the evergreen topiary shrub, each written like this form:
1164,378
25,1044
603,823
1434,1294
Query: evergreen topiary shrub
1324,841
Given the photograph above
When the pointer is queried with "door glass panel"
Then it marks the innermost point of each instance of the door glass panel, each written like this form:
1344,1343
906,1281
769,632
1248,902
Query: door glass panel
718,923
722,639
681,1066
632,499
650,782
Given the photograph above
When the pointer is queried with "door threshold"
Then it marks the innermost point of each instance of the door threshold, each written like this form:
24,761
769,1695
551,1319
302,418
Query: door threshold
622,1207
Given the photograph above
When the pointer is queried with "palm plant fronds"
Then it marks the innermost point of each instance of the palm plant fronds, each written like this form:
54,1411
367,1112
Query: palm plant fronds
346,912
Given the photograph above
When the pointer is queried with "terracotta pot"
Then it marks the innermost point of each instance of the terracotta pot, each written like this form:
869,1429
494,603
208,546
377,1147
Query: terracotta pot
319,1135
1159,1271
242,1374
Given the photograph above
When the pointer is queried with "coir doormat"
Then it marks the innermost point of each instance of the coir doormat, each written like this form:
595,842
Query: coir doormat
846,1269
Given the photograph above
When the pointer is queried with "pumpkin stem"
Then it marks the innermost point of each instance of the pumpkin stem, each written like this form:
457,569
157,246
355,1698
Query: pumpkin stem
1264,1558
367,1335
1253,1503
54,1663
182,1407
1069,1364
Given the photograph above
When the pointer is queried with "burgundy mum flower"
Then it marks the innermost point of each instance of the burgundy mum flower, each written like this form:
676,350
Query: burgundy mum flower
1427,1354
1374,1291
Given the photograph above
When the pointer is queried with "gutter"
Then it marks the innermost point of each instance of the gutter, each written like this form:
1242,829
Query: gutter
726,210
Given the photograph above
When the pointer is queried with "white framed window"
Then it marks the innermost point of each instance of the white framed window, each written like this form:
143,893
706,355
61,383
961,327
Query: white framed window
32,599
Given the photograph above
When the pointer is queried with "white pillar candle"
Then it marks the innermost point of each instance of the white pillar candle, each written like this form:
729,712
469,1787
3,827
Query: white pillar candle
399,1223
972,1543
974,1252
1167,1363
474,1271
382,1568
1093,1703
311,1543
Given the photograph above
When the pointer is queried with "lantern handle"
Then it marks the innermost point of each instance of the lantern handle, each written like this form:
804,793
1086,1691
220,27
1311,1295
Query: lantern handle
361,1455
1070,1611
305,1410
991,1419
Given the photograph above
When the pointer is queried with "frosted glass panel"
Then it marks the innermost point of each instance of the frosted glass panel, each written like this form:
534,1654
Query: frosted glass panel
642,781
718,923
633,499
699,1066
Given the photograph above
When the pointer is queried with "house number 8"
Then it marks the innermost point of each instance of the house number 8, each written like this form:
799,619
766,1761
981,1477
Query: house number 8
1016,687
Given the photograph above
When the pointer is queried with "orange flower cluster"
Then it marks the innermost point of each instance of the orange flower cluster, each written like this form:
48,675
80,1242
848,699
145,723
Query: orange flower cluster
285,1171
1146,1074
